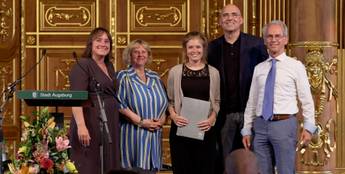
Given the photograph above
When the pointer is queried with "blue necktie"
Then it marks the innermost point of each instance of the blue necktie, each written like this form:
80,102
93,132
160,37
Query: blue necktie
267,106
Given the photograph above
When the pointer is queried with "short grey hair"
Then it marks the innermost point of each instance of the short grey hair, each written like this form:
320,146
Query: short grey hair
127,53
276,22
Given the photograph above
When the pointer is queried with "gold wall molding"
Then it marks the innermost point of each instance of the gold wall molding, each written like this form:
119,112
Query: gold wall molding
69,16
313,44
147,16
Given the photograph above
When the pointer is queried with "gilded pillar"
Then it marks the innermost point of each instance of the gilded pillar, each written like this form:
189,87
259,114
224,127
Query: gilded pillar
313,41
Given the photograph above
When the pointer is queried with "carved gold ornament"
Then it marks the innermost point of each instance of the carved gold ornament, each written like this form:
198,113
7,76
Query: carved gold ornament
31,40
318,71
5,21
146,16
158,63
122,40
61,74
155,17
60,16
6,72
214,27
320,147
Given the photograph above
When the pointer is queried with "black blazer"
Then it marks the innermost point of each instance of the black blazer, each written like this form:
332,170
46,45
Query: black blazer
252,52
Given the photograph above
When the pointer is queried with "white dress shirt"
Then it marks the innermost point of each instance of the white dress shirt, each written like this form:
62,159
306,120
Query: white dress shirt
291,84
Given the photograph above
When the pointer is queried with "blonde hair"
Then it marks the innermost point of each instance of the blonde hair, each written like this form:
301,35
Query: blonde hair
127,53
195,35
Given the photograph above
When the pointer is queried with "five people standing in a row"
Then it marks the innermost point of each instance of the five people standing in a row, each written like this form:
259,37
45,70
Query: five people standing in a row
136,102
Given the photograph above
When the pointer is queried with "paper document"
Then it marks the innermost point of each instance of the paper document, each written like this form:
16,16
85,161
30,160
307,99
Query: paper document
194,110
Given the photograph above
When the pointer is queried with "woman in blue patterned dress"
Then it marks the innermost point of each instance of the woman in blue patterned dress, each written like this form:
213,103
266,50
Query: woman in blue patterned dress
143,102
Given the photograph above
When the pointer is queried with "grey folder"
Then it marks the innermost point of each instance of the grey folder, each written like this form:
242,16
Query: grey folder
194,110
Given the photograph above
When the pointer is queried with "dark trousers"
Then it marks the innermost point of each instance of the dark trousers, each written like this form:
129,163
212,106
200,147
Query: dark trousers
229,137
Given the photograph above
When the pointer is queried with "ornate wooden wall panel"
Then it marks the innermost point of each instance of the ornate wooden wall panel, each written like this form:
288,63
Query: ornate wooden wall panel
61,27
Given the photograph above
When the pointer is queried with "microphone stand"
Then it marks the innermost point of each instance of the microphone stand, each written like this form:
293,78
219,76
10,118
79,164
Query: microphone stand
8,92
103,125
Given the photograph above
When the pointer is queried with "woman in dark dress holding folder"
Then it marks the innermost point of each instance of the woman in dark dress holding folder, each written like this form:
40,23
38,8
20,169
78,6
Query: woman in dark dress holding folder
194,79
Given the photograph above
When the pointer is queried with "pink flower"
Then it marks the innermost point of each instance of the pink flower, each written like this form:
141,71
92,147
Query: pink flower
62,144
41,151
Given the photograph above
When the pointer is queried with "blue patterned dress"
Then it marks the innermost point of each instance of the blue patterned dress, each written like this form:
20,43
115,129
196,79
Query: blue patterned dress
140,147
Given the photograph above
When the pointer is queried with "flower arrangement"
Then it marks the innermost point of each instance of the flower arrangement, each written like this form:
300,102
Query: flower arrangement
43,147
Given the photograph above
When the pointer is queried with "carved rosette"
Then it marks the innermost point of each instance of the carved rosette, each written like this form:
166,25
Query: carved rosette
67,16
121,40
30,40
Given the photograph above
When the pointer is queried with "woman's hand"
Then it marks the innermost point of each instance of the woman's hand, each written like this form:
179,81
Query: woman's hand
84,136
151,124
206,125
179,120
161,121
83,133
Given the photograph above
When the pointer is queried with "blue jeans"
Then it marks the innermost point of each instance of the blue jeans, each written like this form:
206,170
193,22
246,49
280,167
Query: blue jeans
274,144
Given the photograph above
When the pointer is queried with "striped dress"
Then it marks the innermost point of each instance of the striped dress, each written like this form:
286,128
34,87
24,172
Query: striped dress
140,147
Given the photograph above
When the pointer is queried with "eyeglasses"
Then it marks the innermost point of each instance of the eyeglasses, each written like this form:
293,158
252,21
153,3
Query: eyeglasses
278,37
233,15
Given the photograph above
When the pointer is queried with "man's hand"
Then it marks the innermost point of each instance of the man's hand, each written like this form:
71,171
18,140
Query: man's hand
305,137
246,141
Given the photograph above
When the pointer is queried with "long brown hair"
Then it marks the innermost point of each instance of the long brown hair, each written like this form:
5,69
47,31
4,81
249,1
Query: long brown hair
92,36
